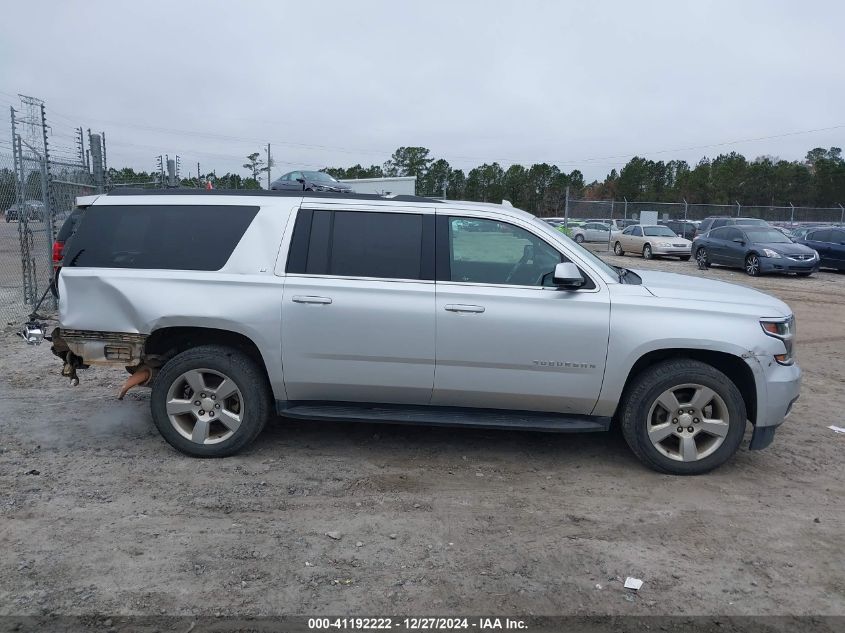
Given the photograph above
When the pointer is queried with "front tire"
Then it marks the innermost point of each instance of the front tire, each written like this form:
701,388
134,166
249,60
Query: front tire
691,396
752,265
210,401
647,254
617,250
579,238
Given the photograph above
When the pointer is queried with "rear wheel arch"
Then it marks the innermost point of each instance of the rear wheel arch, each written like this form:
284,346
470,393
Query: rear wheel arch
169,341
732,366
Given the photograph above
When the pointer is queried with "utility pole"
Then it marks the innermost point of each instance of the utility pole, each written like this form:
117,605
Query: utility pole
269,165
566,208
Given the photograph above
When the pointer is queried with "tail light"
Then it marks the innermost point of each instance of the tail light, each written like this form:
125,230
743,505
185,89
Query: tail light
58,251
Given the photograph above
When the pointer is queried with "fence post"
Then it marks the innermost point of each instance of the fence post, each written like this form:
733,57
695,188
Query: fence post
610,226
792,213
841,214
686,206
738,208
566,208
626,207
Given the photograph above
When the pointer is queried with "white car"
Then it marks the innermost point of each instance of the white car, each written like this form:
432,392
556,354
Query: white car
592,232
652,241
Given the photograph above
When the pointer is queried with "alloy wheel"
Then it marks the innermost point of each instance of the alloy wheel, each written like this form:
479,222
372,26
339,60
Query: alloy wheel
646,252
701,256
205,406
752,265
688,422
618,249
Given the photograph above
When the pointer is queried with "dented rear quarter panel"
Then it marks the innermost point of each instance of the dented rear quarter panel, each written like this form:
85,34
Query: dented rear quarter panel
243,297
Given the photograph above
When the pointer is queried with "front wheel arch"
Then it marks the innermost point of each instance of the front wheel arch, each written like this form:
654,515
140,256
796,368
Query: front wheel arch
732,366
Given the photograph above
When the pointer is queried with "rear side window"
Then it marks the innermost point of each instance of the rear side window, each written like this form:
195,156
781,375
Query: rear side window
720,234
363,244
173,237
721,222
823,235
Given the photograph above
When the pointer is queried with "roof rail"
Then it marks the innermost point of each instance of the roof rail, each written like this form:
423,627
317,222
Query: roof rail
263,192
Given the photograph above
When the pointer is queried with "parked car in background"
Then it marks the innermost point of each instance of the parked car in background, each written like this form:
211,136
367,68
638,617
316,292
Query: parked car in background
615,224
34,211
799,232
592,232
652,241
756,249
682,228
829,243
716,221
309,181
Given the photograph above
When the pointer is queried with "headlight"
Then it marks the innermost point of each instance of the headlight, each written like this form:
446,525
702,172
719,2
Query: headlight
768,252
664,244
815,255
783,329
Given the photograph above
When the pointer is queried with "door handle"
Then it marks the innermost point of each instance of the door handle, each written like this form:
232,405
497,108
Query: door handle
457,307
307,299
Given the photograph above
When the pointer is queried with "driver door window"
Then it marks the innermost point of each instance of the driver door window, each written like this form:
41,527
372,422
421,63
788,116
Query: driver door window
491,252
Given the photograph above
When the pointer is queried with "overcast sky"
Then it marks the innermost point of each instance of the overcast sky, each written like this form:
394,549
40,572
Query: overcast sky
582,85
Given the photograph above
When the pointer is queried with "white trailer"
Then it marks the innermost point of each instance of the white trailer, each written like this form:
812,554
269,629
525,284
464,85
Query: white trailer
403,185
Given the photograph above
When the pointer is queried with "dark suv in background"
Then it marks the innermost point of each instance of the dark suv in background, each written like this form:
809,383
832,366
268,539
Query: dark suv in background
716,221
829,243
681,228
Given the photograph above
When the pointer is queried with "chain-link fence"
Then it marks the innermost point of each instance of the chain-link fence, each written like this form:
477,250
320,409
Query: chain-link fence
39,182
618,210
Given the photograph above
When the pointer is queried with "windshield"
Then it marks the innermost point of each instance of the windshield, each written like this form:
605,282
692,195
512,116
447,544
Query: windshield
658,231
771,236
318,176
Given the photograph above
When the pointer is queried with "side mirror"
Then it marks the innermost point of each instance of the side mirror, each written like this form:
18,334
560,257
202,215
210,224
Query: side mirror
567,276
301,180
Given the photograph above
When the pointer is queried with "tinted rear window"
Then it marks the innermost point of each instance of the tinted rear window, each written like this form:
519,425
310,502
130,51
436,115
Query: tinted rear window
362,244
174,237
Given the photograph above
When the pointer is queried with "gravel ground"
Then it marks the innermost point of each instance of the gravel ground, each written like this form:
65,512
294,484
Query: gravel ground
100,515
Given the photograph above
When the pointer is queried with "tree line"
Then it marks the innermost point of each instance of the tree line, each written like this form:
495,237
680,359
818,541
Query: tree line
818,180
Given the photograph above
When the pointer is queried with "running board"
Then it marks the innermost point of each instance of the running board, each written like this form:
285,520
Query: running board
443,416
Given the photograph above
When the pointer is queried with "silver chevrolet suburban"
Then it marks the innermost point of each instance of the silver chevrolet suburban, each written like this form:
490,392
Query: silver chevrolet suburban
413,311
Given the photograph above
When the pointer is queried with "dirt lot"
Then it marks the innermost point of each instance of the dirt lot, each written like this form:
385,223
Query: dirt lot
100,515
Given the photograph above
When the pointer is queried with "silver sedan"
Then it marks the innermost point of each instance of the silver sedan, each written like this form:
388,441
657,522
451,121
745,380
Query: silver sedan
652,241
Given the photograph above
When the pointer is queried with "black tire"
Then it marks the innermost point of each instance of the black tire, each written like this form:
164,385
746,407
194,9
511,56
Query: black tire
648,386
685,258
617,250
647,254
579,238
752,265
803,274
702,257
235,365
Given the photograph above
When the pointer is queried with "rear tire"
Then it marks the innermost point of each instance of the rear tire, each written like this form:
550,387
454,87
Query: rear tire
218,427
717,421
579,238
702,258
